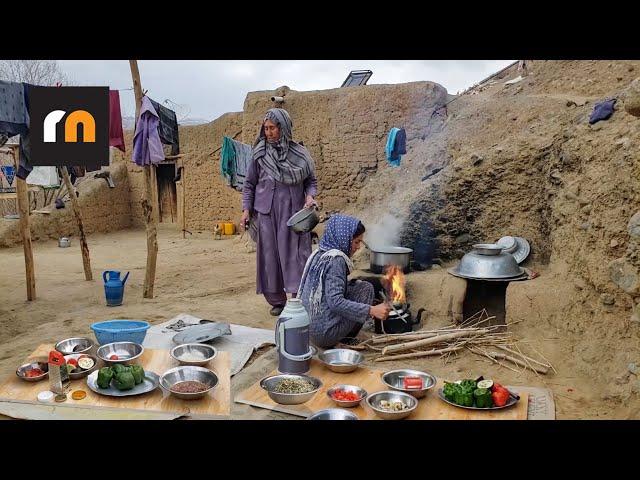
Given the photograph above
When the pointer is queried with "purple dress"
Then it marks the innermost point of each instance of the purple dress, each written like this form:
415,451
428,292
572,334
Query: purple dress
281,253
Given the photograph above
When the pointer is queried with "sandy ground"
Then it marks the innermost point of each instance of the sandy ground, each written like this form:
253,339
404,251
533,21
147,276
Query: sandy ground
212,279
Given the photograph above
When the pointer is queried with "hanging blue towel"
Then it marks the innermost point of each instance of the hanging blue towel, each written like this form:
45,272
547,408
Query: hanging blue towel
393,160
602,111
9,173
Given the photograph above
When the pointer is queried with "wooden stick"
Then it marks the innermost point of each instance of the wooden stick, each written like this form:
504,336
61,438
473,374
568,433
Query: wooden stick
417,354
75,206
148,201
429,341
502,347
22,198
520,363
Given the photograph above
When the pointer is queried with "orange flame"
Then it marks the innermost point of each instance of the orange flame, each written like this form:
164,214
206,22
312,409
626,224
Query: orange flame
395,283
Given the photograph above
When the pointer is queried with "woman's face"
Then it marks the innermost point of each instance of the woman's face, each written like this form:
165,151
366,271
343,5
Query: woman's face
355,244
271,131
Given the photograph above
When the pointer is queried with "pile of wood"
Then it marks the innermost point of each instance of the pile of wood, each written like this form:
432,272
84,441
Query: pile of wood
492,342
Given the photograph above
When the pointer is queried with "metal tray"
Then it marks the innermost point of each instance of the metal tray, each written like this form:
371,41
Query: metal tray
150,383
202,333
510,403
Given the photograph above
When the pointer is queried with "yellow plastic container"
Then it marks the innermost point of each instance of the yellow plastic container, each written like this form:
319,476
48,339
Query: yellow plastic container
229,228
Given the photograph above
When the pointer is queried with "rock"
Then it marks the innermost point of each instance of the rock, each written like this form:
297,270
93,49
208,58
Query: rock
634,226
476,160
596,126
633,368
607,299
555,176
571,103
631,98
625,276
464,238
586,208
614,243
585,226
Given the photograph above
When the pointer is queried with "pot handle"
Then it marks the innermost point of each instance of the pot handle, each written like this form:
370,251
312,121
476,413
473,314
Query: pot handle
104,276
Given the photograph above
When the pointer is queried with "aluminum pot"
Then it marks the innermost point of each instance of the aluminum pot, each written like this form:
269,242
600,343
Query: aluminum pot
304,220
64,242
383,256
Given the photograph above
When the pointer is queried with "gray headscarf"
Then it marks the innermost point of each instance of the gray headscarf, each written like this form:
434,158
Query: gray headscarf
285,160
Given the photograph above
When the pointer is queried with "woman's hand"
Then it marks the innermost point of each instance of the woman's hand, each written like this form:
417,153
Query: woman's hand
244,219
310,201
380,311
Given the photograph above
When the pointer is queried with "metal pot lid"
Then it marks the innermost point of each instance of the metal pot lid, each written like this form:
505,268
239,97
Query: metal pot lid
522,276
516,246
202,333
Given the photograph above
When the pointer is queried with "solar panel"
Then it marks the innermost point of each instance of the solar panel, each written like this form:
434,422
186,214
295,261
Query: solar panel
357,78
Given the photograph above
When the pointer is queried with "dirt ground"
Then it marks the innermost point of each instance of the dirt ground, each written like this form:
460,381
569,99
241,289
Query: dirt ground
214,279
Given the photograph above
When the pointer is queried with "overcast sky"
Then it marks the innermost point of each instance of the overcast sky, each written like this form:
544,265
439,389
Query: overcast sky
206,89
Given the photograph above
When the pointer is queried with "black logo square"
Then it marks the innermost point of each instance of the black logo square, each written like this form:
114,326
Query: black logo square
69,126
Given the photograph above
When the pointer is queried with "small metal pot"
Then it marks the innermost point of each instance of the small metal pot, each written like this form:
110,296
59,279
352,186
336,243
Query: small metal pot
381,257
304,221
64,242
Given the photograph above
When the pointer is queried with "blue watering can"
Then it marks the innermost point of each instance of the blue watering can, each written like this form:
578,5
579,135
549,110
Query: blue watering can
114,287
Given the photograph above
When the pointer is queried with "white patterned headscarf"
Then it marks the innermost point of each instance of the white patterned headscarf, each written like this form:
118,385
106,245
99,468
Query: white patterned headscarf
286,161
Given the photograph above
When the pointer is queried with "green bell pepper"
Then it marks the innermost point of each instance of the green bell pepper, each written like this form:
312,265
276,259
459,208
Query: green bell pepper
483,398
138,373
105,374
124,380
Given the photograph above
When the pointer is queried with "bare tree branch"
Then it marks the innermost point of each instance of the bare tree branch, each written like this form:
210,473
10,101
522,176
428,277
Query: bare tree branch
35,72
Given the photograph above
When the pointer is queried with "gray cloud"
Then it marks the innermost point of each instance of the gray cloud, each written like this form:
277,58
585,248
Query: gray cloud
209,88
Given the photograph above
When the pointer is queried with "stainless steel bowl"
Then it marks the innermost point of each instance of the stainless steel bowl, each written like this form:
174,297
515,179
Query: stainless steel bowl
395,379
270,383
488,248
81,373
341,360
127,352
188,373
195,354
74,345
20,371
361,392
304,220
374,400
477,264
333,414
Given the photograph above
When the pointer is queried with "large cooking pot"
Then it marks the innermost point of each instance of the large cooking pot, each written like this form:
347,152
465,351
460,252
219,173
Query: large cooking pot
383,256
487,261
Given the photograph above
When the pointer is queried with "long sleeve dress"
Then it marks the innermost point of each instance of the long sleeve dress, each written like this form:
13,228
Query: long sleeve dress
281,252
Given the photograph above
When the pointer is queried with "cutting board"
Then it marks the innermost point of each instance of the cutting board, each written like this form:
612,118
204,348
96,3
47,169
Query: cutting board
215,404
429,407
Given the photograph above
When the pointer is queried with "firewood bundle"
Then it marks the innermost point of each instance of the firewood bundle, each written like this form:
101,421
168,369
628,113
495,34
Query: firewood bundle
491,342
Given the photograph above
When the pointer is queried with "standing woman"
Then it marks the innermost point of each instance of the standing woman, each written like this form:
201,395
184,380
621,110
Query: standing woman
280,181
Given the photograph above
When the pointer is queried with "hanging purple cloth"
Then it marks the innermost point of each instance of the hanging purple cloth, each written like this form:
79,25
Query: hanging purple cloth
147,147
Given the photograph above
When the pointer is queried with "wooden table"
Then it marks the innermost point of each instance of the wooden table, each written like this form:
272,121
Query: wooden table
215,405
429,407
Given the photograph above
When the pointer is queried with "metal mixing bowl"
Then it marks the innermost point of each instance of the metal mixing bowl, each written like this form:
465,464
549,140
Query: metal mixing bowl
82,373
341,360
333,414
187,353
395,378
361,392
74,345
374,400
304,220
270,383
480,264
20,371
127,352
186,373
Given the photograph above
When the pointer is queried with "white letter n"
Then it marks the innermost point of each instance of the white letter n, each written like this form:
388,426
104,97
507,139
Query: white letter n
50,122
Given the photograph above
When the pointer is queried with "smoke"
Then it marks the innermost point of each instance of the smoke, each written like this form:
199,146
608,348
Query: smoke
385,232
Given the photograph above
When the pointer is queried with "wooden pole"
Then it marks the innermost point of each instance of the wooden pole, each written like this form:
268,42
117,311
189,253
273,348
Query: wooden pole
147,202
75,206
23,209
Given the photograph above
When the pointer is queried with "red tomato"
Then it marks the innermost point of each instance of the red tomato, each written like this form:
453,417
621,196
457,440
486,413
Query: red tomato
72,361
412,383
113,357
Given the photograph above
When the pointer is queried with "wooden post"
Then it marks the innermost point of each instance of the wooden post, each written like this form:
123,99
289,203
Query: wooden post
147,202
22,197
75,205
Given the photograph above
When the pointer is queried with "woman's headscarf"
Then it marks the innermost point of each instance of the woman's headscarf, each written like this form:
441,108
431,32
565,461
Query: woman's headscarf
336,241
285,160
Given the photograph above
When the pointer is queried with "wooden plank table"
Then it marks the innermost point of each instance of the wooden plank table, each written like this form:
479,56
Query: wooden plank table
215,405
429,407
